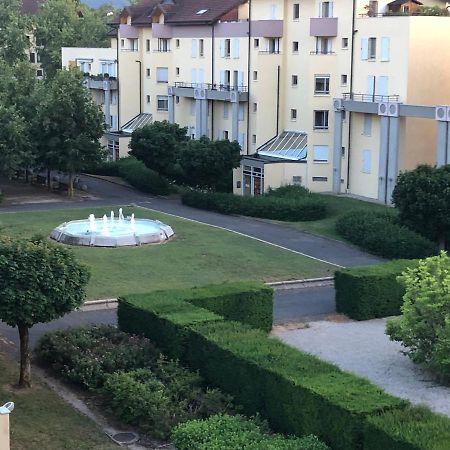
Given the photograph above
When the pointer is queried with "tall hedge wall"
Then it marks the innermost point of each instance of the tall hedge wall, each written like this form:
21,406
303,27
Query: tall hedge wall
369,292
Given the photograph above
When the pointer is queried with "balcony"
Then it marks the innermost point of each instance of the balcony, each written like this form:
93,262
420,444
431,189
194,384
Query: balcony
216,91
101,83
373,98
323,26
212,87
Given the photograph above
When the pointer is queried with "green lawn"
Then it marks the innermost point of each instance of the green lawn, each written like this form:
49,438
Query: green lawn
337,206
199,255
43,420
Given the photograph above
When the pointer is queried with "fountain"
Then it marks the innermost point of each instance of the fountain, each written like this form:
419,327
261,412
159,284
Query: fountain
112,232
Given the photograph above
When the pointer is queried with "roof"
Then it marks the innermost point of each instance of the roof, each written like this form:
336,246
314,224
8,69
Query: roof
137,122
289,145
30,7
402,2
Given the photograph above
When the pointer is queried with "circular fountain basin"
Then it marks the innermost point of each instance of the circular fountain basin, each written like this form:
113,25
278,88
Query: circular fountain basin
112,232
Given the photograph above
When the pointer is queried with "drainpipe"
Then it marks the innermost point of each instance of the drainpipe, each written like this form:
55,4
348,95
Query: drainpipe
249,48
278,100
212,77
140,86
352,54
118,81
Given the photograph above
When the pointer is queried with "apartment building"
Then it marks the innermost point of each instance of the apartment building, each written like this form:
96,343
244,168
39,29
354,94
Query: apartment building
335,96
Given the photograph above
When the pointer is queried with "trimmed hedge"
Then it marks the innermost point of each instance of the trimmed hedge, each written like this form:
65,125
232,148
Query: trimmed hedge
415,428
369,292
297,392
224,432
305,208
382,235
248,302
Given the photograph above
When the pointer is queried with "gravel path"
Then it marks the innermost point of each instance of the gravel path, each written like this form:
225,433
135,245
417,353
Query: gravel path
364,349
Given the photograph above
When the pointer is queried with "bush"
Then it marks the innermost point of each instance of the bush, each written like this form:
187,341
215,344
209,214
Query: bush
297,392
157,400
414,428
304,208
223,432
289,191
85,356
380,234
364,293
424,327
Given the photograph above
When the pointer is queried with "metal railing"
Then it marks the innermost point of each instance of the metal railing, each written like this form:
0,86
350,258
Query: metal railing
374,98
270,52
212,87
322,52
370,14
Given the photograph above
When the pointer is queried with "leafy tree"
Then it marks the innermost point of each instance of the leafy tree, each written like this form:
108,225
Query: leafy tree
436,10
68,23
209,164
157,144
13,32
39,282
422,197
424,327
71,126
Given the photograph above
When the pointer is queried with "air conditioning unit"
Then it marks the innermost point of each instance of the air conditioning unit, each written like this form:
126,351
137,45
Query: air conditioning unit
441,113
338,104
383,108
170,90
234,96
393,109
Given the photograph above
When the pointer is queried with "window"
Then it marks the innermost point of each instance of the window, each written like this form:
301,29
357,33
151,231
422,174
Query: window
320,153
294,80
344,42
295,47
373,8
162,103
201,11
320,178
343,80
296,180
227,48
225,110
322,84
321,120
273,12
33,57
225,134
323,45
385,48
147,45
326,9
273,45
114,98
147,71
367,127
177,71
85,66
293,114
201,48
134,45
177,43
296,11
108,67
148,98
39,73
255,75
177,99
235,48
163,45
255,107
241,113
366,161
253,138
113,150
122,43
256,43
113,122
372,49
162,75
194,48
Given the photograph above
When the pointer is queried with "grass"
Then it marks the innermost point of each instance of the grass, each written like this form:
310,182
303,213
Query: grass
337,206
199,255
43,420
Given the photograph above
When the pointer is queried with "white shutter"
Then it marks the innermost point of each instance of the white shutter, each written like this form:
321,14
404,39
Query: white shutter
320,153
241,140
273,12
222,48
370,84
385,48
240,79
235,48
367,130
225,110
193,75
222,77
367,161
383,88
241,112
219,135
330,14
201,76
194,48
320,9
364,49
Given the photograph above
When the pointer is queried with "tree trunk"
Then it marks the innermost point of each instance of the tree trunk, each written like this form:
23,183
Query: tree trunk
25,359
26,175
70,186
49,180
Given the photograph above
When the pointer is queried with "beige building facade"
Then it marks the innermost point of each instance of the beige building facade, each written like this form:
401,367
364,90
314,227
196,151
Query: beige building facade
303,87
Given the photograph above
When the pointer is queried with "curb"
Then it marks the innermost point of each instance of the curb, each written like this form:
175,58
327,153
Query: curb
111,303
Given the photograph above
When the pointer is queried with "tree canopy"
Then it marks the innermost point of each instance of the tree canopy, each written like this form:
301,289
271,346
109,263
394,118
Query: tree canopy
39,282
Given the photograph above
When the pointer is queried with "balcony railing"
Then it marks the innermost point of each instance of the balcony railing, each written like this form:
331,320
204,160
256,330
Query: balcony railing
374,98
322,52
212,87
270,52
371,14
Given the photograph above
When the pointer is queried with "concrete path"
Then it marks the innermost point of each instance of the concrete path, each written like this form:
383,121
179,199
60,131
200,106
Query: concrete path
364,349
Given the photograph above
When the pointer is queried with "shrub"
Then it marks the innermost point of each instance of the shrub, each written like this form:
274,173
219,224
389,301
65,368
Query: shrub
223,432
414,428
380,234
424,327
289,191
157,400
297,392
85,356
364,293
304,208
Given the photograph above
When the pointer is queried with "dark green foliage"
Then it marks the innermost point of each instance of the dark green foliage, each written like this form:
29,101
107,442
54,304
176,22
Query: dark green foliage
414,428
380,234
364,293
247,302
85,356
289,191
156,400
269,207
208,164
422,197
157,145
223,432
298,393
